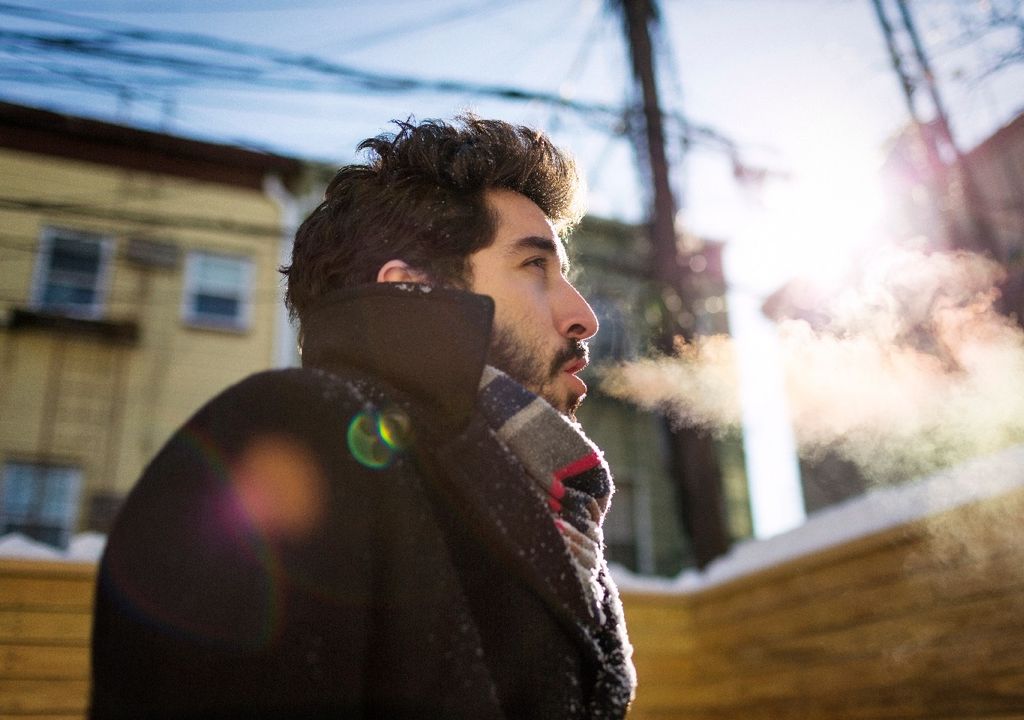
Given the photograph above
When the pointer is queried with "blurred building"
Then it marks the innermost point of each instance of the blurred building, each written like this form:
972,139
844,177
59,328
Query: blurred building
646,528
931,210
138,277
998,167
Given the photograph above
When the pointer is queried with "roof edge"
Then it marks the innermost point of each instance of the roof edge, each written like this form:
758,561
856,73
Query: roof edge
78,138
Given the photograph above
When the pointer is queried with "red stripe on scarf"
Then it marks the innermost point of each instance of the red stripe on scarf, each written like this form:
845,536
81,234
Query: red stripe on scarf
587,462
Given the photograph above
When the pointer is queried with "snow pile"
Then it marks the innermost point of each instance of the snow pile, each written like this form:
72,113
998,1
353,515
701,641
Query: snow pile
85,547
879,509
16,545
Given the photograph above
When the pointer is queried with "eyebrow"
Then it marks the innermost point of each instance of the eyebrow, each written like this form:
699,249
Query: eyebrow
546,245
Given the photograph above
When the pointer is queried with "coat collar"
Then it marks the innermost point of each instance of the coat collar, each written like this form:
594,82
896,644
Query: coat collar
432,343
429,342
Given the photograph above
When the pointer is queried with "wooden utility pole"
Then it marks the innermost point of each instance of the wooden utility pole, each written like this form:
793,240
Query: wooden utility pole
943,174
983,238
694,460
639,14
937,171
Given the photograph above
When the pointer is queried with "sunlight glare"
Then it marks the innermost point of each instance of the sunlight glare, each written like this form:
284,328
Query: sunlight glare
813,224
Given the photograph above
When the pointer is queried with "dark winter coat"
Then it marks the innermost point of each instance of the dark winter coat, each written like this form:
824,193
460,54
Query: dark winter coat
348,540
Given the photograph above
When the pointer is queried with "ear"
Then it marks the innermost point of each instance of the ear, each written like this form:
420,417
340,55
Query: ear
399,271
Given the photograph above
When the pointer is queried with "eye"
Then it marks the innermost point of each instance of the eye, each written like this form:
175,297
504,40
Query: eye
539,262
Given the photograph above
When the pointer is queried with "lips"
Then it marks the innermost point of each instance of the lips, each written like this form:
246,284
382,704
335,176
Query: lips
572,360
570,370
575,366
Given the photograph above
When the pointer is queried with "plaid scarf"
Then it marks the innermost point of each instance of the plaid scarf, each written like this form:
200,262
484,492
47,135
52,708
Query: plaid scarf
571,477
569,473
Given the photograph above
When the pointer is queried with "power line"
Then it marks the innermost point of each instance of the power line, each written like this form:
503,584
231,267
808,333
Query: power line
365,80
421,25
326,75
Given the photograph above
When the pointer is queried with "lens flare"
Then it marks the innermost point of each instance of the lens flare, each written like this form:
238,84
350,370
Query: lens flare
376,438
393,428
280,486
231,521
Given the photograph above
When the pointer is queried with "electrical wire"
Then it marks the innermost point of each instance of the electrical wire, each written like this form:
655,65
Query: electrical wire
319,73
363,42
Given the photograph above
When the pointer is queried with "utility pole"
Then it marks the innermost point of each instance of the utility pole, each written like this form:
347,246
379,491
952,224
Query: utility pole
981,238
983,235
693,458
638,15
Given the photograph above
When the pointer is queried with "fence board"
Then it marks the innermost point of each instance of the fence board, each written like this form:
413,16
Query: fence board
35,626
45,622
33,697
925,621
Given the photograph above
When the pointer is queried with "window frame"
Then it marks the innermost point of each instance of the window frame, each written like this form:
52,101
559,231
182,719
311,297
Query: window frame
42,272
191,286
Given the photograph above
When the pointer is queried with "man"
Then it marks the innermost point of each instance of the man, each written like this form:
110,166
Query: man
409,526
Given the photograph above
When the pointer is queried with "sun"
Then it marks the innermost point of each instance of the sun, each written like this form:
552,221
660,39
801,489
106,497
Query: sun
816,221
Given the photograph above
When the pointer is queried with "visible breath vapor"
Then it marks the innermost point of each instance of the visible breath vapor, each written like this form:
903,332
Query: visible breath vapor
909,369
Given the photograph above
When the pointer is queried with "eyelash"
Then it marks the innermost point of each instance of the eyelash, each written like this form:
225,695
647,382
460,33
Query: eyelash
543,263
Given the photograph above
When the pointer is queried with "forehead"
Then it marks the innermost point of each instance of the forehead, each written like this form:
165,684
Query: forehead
522,225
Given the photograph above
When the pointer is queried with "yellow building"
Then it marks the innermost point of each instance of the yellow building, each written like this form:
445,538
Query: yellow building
138,277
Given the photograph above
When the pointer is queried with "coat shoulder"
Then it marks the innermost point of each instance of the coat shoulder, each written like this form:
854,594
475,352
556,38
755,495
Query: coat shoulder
251,548
281,448
262,396
321,411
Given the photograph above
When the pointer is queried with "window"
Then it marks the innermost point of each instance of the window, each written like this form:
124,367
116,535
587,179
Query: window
217,290
71,272
40,501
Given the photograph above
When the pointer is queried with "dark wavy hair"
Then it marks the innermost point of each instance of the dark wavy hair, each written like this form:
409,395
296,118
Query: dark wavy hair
419,197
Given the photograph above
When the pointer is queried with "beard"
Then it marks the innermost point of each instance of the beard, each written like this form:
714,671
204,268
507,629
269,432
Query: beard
524,362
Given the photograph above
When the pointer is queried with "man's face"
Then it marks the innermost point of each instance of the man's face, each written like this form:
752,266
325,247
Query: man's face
541,320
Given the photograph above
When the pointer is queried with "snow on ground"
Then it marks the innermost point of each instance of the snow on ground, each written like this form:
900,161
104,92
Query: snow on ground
877,510
16,545
85,547
873,512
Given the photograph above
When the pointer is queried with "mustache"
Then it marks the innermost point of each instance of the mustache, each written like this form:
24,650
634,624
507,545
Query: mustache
574,350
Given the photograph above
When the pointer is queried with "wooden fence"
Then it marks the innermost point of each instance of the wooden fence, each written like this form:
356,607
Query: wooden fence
923,621
45,617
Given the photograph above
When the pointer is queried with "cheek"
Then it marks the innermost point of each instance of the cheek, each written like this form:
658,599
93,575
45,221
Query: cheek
522,304
528,322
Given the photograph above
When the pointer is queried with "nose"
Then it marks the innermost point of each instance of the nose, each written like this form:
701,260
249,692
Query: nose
574,317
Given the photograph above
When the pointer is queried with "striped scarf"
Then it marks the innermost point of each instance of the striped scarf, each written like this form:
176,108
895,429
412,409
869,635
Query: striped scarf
569,473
